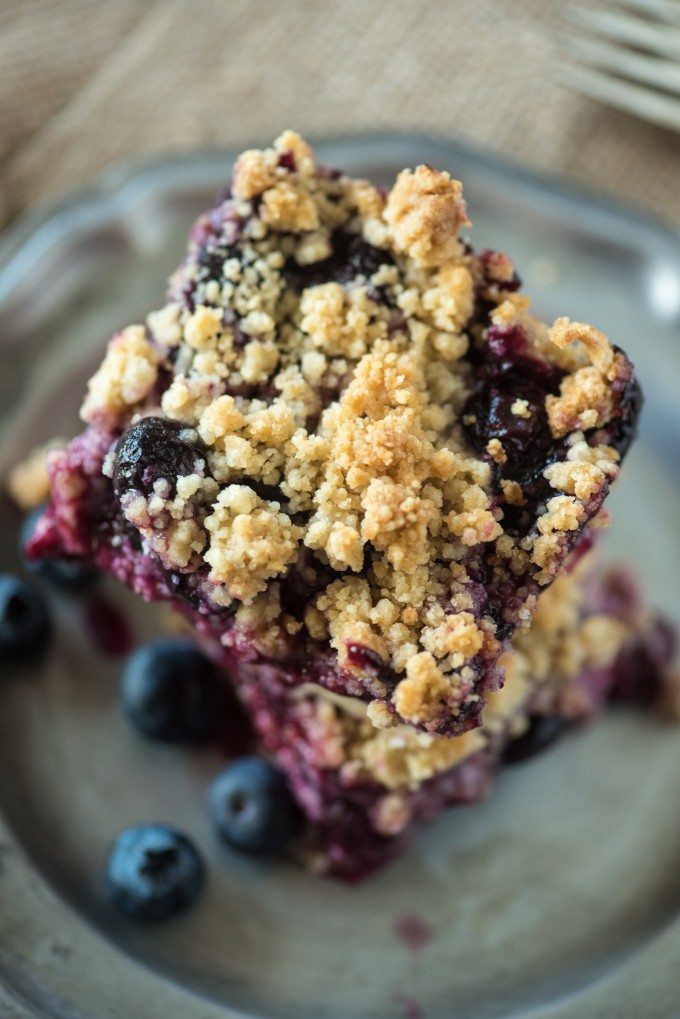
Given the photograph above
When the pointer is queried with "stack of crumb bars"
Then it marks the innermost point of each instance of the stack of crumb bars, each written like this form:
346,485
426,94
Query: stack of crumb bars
346,451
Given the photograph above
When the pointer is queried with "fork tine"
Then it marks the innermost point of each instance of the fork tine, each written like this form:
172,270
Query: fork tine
605,56
627,28
666,10
636,99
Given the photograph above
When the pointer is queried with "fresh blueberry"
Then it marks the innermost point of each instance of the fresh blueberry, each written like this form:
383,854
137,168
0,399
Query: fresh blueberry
152,449
24,622
171,691
543,730
153,872
67,574
252,808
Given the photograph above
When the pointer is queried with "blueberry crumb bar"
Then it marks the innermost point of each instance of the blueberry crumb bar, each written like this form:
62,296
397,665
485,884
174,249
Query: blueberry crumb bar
364,790
344,447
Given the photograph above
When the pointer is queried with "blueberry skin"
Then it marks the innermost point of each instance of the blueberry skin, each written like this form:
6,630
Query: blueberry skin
171,692
152,449
153,872
252,808
24,622
351,257
542,732
68,575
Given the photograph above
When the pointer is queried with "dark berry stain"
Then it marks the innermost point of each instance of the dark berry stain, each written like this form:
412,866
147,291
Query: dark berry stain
303,582
287,161
413,933
526,440
211,262
107,627
68,575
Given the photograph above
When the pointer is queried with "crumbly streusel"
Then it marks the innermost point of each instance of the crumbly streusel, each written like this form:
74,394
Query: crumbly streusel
28,482
563,642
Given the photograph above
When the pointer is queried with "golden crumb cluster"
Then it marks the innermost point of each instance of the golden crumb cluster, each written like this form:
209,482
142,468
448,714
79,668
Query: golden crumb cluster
564,640
28,483
328,403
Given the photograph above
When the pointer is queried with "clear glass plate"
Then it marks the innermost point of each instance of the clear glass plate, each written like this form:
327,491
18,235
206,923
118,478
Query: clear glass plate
559,897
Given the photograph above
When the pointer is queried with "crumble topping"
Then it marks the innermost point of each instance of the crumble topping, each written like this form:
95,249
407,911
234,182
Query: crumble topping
585,470
499,269
586,398
28,483
321,345
251,540
421,696
425,210
170,520
564,640
127,375
521,409
563,333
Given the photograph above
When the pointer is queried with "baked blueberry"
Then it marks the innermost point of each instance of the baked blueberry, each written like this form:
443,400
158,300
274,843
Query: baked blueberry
543,730
68,575
24,622
153,872
525,439
252,808
351,257
365,658
152,449
171,691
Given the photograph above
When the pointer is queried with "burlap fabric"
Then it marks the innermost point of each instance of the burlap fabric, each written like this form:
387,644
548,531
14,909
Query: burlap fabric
87,82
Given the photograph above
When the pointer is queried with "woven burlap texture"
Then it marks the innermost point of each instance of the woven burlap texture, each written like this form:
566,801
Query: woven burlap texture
84,83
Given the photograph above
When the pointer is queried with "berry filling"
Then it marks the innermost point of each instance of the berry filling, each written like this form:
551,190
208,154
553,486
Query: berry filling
351,259
359,819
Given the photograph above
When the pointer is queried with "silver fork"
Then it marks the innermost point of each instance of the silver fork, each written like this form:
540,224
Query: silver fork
627,54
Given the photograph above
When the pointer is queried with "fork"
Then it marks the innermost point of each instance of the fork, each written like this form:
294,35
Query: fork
630,57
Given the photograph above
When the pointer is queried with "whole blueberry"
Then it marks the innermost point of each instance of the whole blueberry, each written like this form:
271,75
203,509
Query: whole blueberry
153,872
252,808
170,691
152,449
543,730
68,575
24,622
